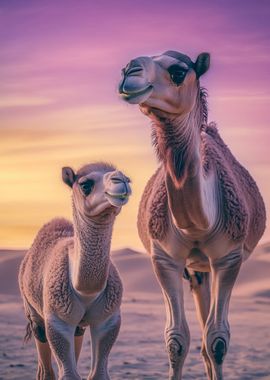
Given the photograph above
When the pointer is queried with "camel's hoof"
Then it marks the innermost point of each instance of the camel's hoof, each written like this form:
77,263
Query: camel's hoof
219,349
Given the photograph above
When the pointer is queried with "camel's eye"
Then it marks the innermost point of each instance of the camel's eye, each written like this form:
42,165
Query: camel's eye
177,74
87,186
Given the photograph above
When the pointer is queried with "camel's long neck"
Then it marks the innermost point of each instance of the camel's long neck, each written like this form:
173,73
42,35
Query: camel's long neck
178,146
90,259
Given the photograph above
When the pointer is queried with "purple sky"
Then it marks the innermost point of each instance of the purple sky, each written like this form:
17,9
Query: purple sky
59,70
62,49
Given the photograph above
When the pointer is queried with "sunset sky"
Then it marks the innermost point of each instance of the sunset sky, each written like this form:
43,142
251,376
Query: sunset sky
60,64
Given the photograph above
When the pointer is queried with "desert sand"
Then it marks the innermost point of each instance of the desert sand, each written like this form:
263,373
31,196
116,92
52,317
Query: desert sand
139,352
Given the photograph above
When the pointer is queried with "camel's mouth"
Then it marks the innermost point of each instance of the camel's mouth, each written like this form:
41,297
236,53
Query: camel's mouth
117,200
138,96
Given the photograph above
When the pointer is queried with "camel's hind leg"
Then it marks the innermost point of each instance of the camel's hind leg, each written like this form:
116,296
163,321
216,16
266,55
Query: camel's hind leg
44,370
78,341
37,328
200,286
217,330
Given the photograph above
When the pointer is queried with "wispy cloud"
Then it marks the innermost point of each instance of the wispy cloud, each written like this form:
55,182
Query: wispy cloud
8,102
244,98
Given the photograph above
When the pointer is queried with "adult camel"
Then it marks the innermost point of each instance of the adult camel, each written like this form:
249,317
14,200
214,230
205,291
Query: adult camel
201,211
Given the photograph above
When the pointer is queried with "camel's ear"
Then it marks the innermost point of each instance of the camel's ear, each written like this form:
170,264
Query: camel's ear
202,64
68,176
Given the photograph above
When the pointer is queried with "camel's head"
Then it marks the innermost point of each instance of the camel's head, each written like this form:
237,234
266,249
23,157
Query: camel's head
167,83
99,190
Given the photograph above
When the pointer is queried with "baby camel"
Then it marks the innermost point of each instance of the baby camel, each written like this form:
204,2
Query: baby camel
201,210
67,279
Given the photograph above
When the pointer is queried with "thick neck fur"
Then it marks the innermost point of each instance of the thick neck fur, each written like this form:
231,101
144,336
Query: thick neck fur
178,145
91,256
176,139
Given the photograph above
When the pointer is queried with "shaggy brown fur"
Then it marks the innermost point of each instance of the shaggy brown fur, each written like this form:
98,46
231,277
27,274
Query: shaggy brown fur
244,216
234,179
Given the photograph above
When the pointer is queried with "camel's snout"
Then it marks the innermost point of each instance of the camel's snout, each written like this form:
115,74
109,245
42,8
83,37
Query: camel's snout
117,188
135,86
133,67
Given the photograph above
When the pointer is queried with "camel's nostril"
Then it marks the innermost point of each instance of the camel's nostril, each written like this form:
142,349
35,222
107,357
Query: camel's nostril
116,180
120,180
133,70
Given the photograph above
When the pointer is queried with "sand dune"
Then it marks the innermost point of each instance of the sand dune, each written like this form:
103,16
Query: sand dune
9,266
137,274
139,352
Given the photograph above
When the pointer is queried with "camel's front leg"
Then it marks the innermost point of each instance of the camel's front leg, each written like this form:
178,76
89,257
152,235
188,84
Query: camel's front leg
177,338
60,336
103,336
217,330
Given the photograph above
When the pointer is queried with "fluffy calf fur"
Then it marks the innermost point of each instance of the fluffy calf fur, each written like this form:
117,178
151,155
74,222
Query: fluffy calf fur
44,278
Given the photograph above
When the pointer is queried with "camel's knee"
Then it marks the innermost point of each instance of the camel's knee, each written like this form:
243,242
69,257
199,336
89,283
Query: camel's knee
217,347
177,348
219,350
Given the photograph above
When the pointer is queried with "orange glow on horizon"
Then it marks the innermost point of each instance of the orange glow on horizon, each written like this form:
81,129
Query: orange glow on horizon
60,69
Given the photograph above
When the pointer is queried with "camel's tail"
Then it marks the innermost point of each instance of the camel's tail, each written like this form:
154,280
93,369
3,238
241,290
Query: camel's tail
28,333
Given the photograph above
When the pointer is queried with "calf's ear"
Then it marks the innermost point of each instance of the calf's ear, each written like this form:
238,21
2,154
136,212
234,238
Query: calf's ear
68,176
202,64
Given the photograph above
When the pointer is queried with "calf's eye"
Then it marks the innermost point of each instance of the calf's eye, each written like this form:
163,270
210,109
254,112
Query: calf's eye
87,186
